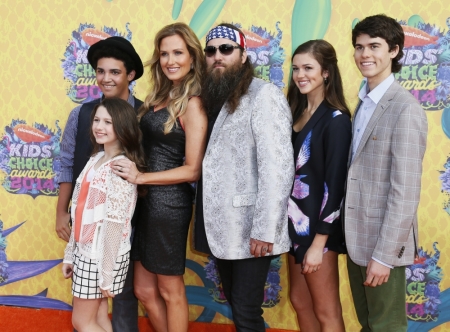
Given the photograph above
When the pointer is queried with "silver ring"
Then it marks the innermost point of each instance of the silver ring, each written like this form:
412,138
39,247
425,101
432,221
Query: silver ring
314,270
264,249
121,168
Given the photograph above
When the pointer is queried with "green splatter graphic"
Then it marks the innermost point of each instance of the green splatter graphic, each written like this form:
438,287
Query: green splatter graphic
310,20
445,121
415,20
205,16
176,10
444,57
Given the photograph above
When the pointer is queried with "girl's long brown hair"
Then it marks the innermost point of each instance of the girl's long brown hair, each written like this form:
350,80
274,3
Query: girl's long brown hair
325,55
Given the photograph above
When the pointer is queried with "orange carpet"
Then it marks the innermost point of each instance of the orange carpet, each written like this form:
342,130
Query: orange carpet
14,319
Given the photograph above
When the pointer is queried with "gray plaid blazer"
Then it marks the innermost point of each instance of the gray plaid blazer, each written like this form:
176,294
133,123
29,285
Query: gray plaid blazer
383,182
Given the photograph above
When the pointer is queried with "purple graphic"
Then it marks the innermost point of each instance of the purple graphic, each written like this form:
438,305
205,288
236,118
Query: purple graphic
445,178
212,273
3,261
29,155
300,191
11,271
426,64
77,70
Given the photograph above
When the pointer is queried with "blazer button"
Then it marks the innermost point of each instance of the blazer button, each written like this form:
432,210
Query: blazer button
374,138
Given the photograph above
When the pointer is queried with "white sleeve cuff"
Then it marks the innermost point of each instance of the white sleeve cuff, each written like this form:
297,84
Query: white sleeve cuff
105,288
382,263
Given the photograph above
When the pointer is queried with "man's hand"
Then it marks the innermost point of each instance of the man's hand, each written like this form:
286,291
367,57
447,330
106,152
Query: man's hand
377,274
62,226
62,216
260,248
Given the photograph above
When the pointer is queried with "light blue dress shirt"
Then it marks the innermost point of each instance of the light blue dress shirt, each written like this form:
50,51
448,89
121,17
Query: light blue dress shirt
369,102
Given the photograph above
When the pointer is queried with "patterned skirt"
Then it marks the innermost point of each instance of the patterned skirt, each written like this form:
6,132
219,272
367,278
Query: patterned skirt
85,278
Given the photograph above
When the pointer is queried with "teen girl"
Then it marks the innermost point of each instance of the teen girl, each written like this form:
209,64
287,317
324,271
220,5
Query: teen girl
98,253
321,137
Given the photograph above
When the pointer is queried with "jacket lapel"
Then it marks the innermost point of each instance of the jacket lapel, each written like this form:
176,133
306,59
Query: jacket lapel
349,161
318,114
217,125
379,110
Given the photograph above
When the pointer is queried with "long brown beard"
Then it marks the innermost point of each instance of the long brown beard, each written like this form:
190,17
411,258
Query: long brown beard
227,86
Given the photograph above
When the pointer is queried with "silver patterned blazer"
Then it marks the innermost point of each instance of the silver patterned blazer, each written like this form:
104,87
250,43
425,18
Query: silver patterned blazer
384,180
248,170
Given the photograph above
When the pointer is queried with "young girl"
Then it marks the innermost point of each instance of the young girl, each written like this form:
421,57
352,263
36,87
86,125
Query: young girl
98,253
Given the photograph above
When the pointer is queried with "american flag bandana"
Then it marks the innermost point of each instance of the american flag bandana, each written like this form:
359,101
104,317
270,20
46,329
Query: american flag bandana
227,33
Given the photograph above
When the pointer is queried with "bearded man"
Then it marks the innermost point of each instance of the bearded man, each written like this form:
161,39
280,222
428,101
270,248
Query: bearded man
248,170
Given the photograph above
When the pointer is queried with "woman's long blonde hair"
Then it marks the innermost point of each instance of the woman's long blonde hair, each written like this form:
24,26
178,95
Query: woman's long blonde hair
162,88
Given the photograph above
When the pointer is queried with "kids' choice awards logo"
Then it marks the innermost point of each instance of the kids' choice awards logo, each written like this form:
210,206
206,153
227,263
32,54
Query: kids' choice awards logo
77,70
265,53
29,159
426,63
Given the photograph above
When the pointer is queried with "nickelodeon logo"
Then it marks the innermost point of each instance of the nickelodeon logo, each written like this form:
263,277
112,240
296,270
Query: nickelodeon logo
254,39
90,34
412,34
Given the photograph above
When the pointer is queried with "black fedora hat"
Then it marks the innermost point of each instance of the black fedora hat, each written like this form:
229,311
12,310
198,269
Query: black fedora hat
122,44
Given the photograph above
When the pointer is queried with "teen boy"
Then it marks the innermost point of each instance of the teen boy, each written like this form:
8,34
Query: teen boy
383,183
116,65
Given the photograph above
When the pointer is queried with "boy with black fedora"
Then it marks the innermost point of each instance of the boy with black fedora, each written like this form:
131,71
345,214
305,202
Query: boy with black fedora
116,65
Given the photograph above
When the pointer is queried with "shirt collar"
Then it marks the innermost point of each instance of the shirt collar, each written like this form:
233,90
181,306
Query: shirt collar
130,99
379,91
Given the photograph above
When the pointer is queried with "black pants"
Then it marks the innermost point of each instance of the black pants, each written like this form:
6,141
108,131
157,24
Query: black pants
243,284
125,306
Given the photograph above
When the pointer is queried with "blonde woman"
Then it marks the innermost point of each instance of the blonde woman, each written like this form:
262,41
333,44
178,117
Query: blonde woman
174,125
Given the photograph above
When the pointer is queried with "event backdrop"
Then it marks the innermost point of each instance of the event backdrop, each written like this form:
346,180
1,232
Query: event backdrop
45,74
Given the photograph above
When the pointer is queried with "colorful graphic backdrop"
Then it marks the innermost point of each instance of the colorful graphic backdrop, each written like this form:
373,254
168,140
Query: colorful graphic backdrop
45,75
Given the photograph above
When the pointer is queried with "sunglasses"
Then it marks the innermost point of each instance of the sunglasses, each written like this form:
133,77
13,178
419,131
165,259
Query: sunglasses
225,49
